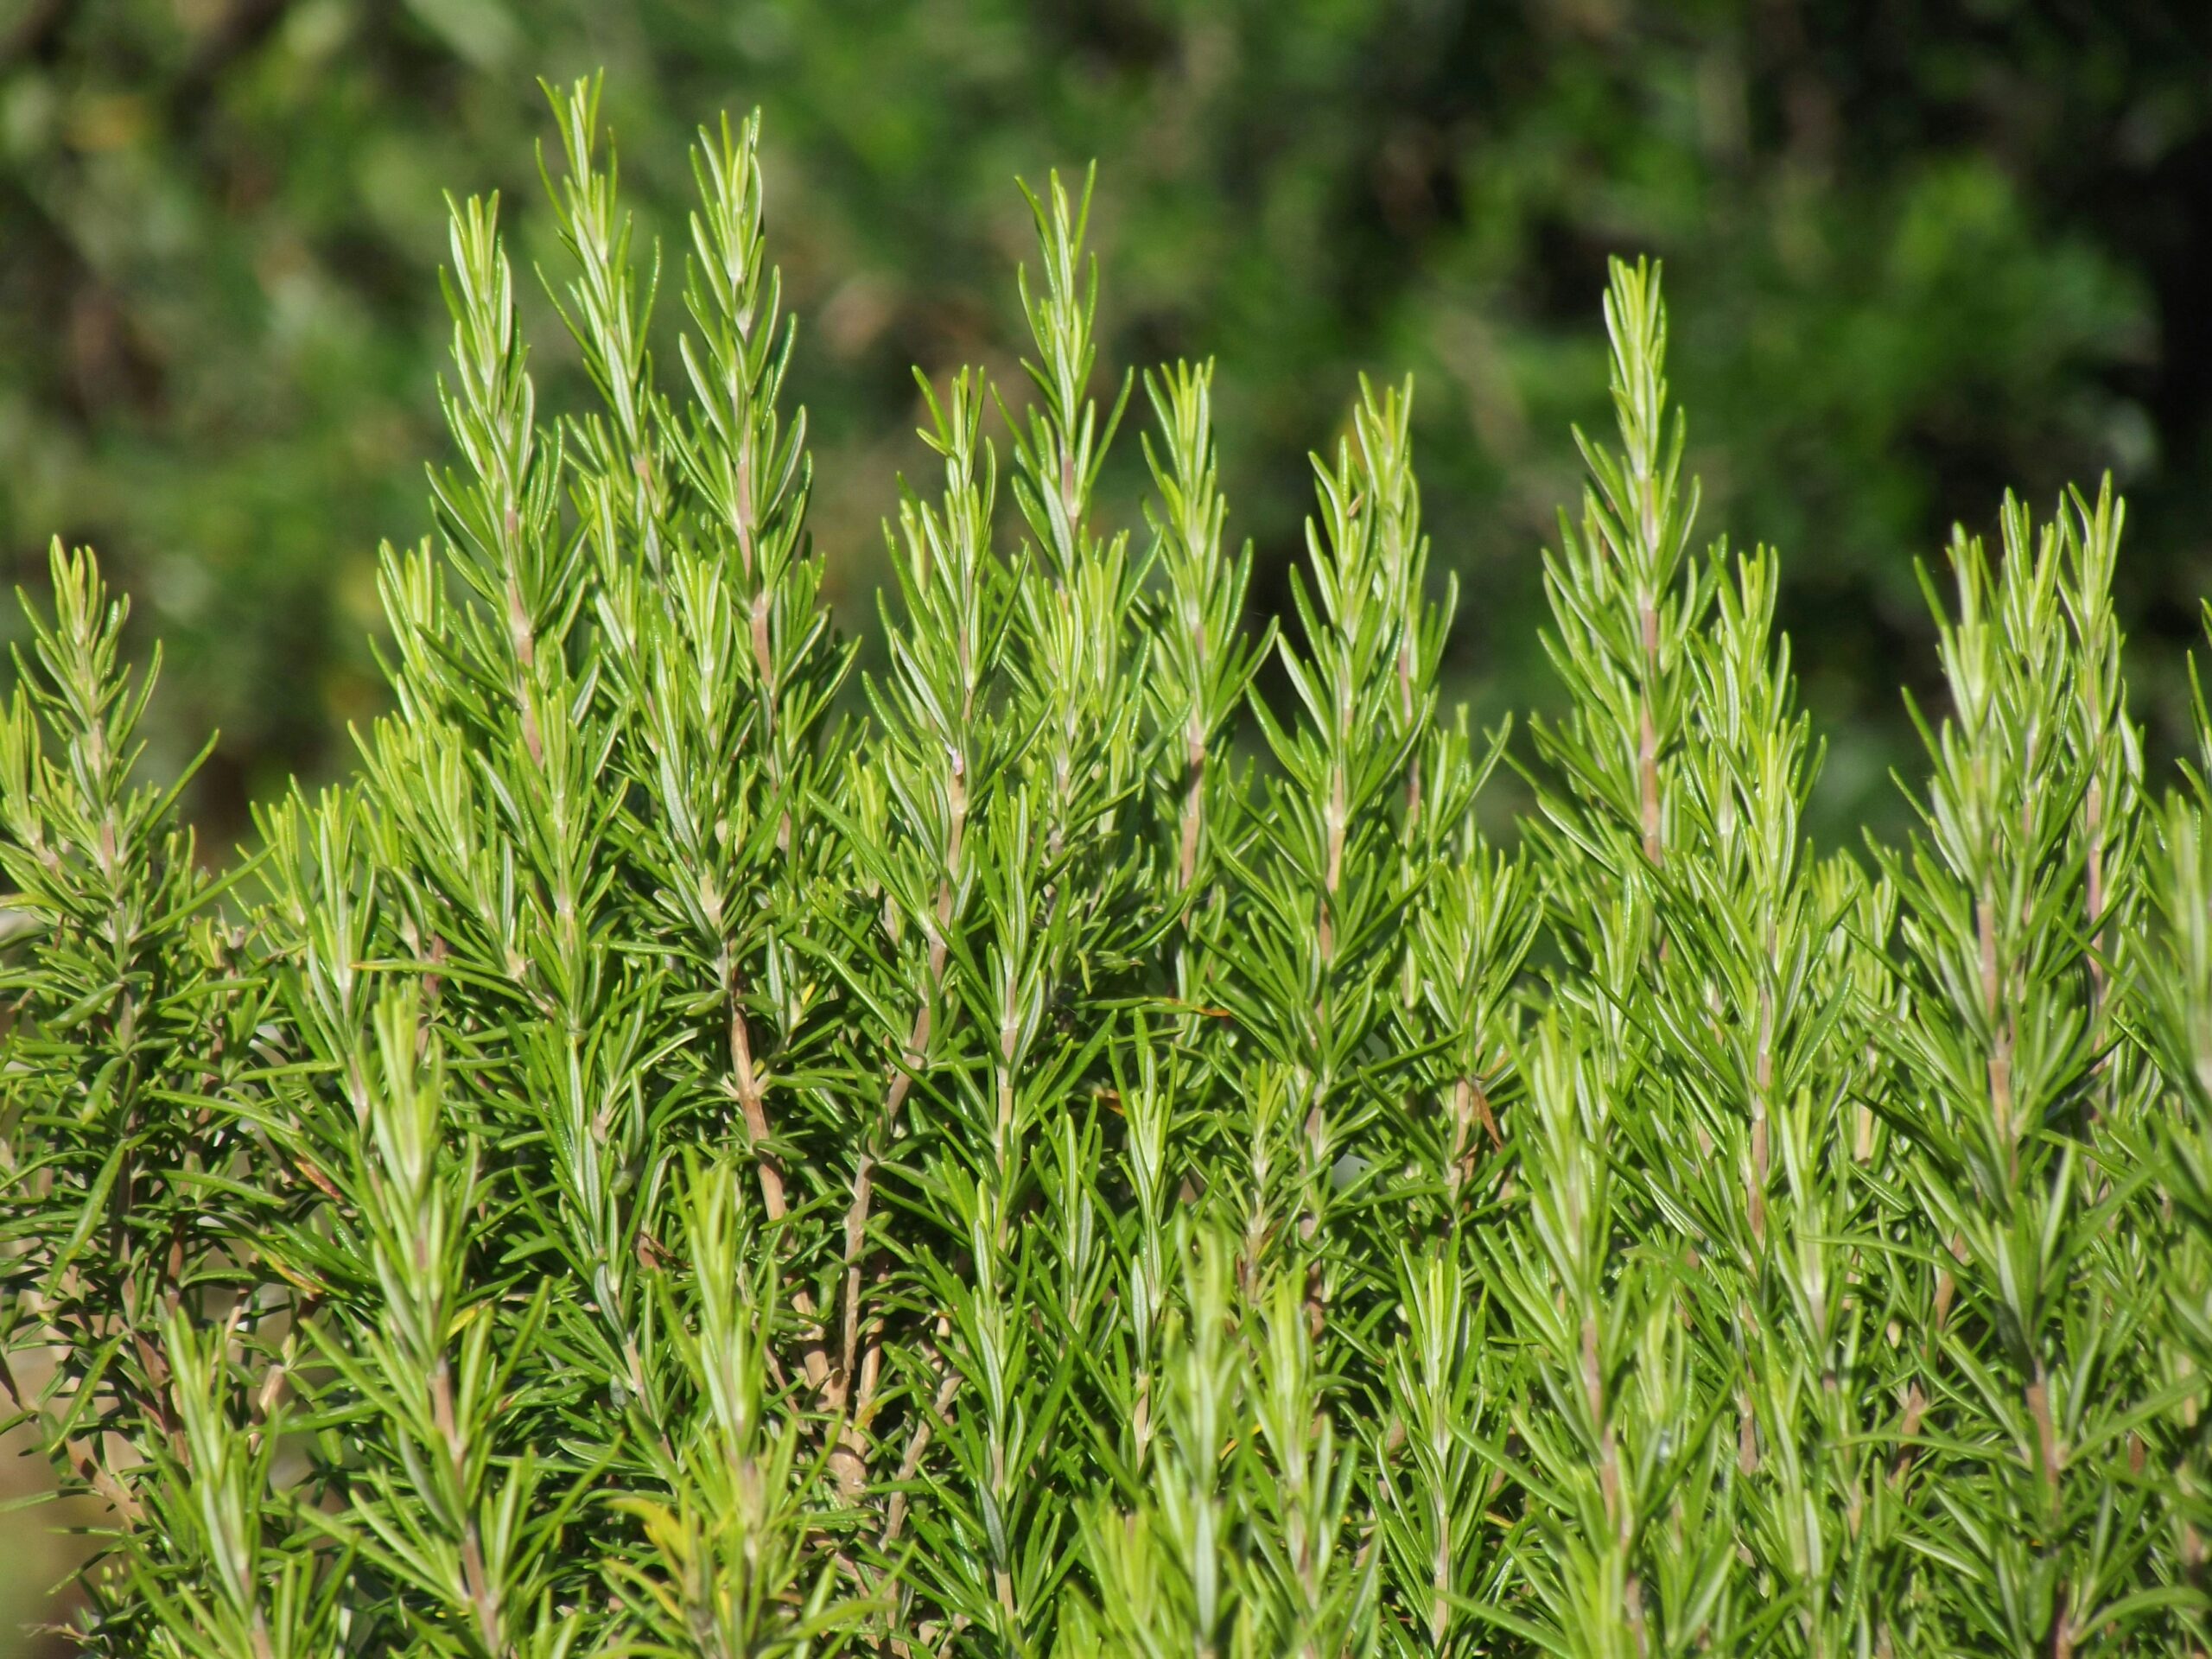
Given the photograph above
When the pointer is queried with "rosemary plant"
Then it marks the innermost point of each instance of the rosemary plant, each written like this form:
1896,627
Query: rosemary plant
1041,1150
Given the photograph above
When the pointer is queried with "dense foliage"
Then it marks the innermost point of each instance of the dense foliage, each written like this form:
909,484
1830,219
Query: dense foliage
1919,251
654,1164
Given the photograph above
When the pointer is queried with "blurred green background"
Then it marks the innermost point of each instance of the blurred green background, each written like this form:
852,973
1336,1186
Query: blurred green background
1917,251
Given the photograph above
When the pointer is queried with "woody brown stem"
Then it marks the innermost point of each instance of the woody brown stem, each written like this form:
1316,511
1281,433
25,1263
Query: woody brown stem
1470,1108
838,1387
948,1385
1194,801
1916,1408
2048,1453
481,1594
751,1098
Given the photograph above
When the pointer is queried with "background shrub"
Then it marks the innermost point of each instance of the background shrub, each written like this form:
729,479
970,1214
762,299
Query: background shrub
1919,253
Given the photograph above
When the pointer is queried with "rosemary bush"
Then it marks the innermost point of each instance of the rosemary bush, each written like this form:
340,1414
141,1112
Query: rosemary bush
686,1154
